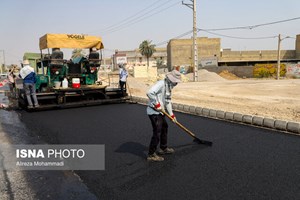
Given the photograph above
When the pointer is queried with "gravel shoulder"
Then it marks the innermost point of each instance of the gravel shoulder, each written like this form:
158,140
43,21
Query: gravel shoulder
277,99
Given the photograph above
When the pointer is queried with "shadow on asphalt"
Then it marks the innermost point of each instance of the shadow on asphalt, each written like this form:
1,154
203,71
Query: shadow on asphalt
134,148
140,150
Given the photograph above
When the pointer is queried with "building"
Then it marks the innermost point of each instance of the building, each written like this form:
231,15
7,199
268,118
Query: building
180,52
135,58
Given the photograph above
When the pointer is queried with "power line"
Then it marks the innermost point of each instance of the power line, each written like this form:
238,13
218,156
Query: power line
289,37
139,16
242,38
177,37
133,19
117,24
139,19
231,28
253,26
277,22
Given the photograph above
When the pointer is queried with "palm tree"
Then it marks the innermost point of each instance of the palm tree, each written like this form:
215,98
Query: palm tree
147,49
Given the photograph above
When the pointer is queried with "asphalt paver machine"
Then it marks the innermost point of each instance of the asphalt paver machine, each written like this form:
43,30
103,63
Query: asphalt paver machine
74,82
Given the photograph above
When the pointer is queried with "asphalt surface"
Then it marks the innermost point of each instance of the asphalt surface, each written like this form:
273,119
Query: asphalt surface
243,163
33,185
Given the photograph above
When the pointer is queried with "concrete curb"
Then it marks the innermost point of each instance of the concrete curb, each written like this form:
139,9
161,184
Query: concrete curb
259,121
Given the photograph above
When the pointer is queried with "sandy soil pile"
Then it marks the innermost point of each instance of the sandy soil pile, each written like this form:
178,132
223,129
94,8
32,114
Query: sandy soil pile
205,76
229,76
278,99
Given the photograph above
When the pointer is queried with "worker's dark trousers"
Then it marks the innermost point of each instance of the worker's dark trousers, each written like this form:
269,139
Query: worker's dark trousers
123,87
30,91
160,132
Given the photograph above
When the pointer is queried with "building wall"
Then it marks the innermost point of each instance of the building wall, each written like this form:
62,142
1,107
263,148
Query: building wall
293,70
298,46
265,55
135,58
240,71
180,51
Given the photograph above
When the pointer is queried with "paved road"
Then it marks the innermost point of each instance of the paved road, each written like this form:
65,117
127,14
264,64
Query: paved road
244,162
32,185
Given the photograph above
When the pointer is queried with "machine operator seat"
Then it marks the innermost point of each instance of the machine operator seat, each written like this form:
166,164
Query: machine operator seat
57,57
94,58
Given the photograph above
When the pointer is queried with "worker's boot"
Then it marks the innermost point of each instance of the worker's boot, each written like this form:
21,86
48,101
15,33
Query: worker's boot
154,157
165,151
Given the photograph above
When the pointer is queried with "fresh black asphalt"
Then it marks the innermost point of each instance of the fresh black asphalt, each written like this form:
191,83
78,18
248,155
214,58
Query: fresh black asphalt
243,163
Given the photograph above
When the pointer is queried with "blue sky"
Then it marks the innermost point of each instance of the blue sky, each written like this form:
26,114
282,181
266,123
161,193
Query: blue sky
124,24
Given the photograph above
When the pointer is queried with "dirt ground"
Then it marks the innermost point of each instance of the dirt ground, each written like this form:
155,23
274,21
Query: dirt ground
278,99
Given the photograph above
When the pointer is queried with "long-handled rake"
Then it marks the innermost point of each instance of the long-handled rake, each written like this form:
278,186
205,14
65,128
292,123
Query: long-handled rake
130,100
197,140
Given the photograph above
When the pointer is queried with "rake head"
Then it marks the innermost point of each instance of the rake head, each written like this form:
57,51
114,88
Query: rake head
199,141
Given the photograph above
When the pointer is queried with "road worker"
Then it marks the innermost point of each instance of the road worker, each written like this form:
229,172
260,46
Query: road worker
160,99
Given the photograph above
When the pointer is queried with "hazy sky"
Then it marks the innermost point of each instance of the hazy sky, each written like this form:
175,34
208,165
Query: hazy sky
124,24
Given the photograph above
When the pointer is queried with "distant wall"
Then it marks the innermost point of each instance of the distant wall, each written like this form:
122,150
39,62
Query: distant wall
135,58
240,71
293,70
180,51
298,46
264,55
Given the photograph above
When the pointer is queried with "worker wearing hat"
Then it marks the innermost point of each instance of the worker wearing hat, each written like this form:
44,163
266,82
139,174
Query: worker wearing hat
29,79
160,99
123,74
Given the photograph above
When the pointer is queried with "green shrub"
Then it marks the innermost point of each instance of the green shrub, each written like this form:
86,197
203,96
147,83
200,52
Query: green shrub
268,70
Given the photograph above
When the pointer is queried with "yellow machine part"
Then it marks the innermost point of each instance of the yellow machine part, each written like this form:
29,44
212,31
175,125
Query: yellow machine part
71,41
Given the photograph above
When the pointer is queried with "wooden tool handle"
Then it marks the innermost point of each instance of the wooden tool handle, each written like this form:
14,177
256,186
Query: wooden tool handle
178,124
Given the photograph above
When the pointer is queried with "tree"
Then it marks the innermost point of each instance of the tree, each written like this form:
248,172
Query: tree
147,49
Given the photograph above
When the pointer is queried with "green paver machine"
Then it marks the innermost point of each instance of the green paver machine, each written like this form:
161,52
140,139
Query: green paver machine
70,83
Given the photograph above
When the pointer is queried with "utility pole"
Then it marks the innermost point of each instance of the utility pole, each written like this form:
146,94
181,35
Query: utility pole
278,57
278,54
193,6
1,68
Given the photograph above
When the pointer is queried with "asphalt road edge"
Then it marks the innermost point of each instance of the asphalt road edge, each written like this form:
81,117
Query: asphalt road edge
258,121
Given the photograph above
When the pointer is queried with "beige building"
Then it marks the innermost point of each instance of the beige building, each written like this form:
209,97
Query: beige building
180,52
135,58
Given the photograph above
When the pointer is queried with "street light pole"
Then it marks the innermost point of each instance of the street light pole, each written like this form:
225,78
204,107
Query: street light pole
278,54
195,48
278,57
195,42
1,68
